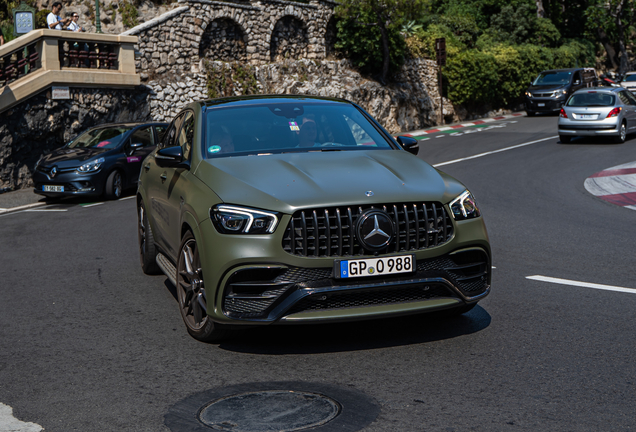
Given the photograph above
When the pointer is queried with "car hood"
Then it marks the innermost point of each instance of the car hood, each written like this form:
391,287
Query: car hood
545,88
286,182
70,157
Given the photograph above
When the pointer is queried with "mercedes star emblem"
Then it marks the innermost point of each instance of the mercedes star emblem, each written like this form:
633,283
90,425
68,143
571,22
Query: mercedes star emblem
374,229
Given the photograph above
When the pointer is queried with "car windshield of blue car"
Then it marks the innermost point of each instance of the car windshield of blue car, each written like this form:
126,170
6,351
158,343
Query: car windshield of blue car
289,127
103,138
553,78
592,99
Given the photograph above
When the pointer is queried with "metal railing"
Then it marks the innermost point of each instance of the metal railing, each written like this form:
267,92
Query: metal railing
43,57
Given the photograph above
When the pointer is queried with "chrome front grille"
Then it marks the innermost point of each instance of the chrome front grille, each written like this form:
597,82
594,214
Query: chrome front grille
330,232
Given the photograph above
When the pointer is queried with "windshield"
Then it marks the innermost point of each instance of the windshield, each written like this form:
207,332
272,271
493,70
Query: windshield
553,78
106,138
289,127
591,99
630,78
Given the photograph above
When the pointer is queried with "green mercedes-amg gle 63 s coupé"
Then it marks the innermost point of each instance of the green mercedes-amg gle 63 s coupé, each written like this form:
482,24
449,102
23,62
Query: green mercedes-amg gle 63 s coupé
296,210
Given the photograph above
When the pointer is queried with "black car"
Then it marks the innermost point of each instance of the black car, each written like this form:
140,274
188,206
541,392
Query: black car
552,88
102,160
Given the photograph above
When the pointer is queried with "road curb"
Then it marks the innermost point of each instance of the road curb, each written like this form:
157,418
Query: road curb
22,207
462,125
615,185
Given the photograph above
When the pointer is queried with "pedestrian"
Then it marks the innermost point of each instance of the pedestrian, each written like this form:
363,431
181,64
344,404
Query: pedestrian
53,20
73,26
1,39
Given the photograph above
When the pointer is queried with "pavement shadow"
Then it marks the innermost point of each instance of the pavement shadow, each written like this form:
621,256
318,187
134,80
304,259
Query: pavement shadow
355,336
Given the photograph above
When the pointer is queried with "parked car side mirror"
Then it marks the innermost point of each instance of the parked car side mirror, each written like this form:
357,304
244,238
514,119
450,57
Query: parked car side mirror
409,144
133,148
169,157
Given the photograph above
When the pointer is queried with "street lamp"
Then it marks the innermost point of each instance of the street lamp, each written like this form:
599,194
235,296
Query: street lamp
98,24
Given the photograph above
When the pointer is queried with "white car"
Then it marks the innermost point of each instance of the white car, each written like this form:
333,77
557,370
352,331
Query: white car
629,81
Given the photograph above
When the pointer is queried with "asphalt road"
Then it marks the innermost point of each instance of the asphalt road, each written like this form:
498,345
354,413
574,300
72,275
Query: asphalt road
89,343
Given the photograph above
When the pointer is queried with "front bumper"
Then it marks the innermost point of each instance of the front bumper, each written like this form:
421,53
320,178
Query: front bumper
74,184
544,104
249,281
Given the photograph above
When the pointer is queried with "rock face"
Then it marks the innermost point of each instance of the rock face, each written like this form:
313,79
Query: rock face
40,125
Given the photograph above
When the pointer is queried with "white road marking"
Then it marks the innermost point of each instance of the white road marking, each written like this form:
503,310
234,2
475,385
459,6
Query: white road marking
8,423
493,152
92,205
46,210
132,196
581,284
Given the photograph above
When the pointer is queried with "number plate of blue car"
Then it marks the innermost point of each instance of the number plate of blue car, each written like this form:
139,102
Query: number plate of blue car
374,266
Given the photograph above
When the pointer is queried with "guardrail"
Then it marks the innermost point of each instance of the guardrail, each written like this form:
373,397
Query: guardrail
42,58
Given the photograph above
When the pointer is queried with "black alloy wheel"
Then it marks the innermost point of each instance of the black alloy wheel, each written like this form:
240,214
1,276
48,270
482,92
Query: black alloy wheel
147,248
192,295
114,185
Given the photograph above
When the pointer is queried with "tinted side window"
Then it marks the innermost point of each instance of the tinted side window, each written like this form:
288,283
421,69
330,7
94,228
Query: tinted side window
143,136
170,136
631,98
186,135
577,77
161,130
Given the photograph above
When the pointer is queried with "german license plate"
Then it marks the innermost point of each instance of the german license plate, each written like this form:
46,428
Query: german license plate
540,104
47,188
374,266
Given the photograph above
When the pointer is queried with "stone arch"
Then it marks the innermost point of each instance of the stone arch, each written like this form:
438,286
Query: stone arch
289,39
224,39
331,33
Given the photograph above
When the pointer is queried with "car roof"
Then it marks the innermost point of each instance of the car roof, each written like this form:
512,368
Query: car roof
600,89
267,99
129,124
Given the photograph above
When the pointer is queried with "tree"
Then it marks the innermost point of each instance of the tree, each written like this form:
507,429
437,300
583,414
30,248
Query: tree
613,21
385,16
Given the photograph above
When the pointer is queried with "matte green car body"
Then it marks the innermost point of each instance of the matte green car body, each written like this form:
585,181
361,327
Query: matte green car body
179,199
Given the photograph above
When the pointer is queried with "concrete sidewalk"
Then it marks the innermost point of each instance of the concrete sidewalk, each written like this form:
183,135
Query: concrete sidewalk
20,200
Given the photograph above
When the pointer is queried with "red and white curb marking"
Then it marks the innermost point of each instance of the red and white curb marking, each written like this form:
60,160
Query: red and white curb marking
616,185
462,125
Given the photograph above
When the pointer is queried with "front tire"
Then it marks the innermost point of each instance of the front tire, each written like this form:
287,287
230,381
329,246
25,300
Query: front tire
565,139
622,134
147,248
191,294
114,185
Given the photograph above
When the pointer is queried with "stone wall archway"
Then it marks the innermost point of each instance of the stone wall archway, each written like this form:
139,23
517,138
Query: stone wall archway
289,39
224,39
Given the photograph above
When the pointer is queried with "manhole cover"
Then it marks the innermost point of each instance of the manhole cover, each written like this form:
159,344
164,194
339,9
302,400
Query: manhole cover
276,410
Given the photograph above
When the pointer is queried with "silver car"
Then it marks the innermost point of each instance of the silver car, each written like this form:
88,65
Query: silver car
599,111
629,81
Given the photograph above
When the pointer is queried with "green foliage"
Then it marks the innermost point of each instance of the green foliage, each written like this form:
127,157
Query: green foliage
362,45
472,78
521,25
224,78
129,14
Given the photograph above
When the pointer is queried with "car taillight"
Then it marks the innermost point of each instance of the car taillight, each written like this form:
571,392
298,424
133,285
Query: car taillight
563,114
613,113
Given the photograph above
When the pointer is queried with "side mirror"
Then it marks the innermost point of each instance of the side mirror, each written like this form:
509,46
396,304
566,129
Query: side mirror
409,144
169,157
133,148
577,82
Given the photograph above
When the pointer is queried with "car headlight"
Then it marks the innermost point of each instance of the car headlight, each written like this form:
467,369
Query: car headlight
529,94
91,166
242,220
464,206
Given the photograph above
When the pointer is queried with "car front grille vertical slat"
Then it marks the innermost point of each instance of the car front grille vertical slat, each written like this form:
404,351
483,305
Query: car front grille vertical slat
330,232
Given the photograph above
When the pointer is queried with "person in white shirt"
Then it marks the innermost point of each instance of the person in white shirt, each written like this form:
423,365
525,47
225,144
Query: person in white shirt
73,26
53,20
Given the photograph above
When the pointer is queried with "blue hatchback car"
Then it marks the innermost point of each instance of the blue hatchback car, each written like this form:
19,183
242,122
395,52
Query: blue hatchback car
103,160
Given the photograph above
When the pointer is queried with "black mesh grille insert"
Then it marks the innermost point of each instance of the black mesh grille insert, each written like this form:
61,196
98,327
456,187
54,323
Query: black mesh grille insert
343,300
329,232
